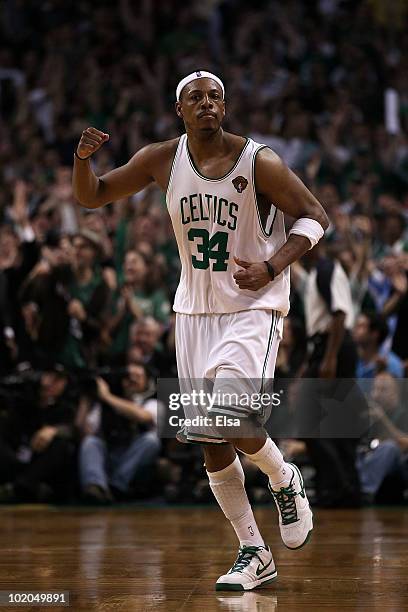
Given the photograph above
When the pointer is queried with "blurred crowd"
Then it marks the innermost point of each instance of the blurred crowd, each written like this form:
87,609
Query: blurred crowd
86,324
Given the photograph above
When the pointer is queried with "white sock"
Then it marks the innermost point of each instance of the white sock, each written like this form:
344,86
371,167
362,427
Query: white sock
229,491
270,461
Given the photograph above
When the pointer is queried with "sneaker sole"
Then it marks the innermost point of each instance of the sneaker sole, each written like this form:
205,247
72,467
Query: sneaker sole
225,586
309,535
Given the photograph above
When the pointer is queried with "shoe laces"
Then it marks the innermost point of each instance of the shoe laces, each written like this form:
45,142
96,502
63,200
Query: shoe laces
286,500
245,556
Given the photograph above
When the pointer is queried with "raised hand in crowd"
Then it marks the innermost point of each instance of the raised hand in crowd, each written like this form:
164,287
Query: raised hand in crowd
19,209
103,389
76,310
394,269
43,438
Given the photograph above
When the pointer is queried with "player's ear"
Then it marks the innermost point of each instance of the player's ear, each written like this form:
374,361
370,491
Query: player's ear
178,109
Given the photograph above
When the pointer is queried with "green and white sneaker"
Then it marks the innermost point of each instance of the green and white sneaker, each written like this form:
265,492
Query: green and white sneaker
295,515
253,566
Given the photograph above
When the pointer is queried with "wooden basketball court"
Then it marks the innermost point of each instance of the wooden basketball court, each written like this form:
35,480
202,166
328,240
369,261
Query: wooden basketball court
167,559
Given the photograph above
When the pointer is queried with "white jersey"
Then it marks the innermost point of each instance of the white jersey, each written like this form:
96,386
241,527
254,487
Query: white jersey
213,220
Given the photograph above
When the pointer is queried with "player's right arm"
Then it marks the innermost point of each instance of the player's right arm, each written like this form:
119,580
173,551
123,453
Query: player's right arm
147,165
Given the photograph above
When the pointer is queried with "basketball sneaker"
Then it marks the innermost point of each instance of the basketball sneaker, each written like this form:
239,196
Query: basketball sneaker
295,515
253,566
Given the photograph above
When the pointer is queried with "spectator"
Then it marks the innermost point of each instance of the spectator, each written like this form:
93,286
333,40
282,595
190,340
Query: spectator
124,449
44,298
8,346
132,302
392,237
369,333
38,441
292,349
63,302
329,318
386,454
88,297
19,253
396,306
145,336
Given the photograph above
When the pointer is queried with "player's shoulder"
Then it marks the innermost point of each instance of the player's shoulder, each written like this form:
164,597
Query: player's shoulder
268,163
155,154
156,160
161,150
267,155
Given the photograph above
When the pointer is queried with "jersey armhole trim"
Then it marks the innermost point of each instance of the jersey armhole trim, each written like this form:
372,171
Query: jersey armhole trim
173,163
265,233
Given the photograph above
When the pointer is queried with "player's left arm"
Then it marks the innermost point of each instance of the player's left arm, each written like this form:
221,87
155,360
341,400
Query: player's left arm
281,187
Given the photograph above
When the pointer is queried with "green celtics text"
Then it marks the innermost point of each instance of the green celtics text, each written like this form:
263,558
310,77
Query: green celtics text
203,207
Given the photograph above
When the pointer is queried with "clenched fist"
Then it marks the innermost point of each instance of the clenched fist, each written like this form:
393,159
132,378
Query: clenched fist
254,276
91,140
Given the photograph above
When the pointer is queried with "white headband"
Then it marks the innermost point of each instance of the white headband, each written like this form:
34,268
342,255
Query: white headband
199,74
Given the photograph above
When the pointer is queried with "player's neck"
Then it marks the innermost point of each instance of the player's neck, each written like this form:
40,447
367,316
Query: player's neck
203,144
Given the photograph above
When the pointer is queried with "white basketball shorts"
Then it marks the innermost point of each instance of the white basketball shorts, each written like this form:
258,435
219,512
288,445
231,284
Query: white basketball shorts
230,357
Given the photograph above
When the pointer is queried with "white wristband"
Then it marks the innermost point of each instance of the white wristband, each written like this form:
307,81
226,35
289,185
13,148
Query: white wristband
309,228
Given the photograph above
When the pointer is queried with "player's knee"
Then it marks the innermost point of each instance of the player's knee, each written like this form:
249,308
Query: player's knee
232,428
217,450
218,456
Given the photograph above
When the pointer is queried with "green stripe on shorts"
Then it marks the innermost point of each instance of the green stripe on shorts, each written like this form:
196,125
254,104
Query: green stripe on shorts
271,335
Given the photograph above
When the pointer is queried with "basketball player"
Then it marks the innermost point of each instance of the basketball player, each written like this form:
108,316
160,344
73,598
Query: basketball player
226,196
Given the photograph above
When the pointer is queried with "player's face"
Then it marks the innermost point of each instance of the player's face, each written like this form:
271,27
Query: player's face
201,106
